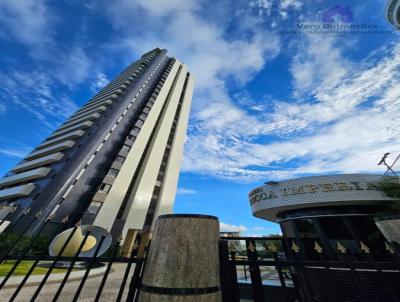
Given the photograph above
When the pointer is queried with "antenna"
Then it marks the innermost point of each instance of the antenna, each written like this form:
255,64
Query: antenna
389,170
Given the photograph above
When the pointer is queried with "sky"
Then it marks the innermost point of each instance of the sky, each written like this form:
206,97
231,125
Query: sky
273,99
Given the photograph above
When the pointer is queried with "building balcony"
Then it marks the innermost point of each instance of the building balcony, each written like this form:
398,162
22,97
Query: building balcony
79,115
24,177
70,136
106,96
15,192
124,80
40,162
50,150
119,85
89,117
117,90
83,125
99,196
87,107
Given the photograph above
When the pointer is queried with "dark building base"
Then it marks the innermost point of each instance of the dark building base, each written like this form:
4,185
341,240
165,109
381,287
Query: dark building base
272,293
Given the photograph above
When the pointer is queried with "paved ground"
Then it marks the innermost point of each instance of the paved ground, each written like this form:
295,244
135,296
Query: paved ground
88,293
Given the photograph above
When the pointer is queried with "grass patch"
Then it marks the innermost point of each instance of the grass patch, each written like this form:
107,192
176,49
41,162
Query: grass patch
24,267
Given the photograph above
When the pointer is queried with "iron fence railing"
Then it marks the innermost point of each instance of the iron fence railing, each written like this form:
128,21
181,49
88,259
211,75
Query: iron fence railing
259,269
57,280
349,277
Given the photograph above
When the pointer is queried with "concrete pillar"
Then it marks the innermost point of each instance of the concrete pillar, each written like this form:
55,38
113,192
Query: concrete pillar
183,264
144,242
129,242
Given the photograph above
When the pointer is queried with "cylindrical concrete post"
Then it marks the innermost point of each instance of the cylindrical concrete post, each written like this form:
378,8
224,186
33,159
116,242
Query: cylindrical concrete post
183,264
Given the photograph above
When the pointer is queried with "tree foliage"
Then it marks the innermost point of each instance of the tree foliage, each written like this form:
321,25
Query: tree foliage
22,244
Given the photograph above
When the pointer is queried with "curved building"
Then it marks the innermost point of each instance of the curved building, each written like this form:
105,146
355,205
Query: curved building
326,220
345,209
393,12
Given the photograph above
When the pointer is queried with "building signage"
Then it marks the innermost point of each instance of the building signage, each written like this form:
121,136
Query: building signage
261,194
325,190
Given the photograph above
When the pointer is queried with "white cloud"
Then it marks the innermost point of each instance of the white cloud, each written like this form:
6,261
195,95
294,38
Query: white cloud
211,55
260,229
266,8
157,8
185,191
318,63
35,92
346,113
32,23
346,126
286,4
27,21
72,66
100,81
19,153
214,58
225,227
263,6
14,149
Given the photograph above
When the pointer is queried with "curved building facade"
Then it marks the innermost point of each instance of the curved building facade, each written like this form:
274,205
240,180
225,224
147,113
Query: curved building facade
326,220
330,210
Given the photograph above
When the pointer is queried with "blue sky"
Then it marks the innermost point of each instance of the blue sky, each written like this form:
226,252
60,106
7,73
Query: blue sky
268,104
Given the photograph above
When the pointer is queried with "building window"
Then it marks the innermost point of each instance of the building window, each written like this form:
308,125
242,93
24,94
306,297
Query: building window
120,159
105,187
126,148
94,207
112,172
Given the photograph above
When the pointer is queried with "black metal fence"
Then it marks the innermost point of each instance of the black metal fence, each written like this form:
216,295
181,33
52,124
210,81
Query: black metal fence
253,269
28,273
263,270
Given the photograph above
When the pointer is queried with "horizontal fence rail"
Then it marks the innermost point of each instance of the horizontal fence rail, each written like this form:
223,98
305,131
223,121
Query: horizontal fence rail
253,268
275,269
29,273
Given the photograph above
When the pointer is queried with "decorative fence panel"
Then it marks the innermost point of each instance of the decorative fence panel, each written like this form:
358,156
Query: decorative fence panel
29,273
262,270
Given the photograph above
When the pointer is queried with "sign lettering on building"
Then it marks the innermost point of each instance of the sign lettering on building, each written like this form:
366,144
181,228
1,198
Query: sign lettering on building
261,194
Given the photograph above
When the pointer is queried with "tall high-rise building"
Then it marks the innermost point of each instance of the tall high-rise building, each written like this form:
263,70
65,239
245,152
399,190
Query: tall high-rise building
115,162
